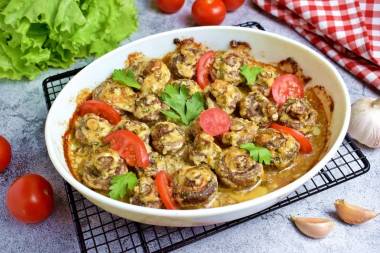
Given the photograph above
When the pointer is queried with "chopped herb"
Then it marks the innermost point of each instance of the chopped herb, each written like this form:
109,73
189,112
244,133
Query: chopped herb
119,185
182,107
250,73
128,78
259,154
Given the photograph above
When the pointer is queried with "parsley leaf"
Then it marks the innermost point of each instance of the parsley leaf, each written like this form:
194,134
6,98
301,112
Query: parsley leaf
120,183
259,154
250,73
128,78
180,103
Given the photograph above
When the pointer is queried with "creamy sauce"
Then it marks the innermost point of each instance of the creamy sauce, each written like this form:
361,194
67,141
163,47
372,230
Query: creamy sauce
274,178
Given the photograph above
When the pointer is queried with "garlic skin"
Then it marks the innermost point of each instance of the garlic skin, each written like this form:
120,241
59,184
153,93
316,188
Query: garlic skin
365,122
313,227
353,214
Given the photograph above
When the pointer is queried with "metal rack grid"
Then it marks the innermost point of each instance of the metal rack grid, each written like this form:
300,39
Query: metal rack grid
100,231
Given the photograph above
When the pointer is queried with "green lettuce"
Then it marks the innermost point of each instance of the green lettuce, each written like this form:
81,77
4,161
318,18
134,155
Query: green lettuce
38,34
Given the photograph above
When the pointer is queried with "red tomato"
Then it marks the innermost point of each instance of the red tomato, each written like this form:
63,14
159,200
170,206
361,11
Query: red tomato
203,68
130,147
305,145
286,86
232,5
5,153
30,198
208,12
162,182
170,6
215,121
101,109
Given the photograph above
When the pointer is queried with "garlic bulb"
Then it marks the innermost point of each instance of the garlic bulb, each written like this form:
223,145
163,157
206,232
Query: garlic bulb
365,122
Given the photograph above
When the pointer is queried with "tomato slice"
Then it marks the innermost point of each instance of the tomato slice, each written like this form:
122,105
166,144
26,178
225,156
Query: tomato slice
162,182
101,109
215,121
203,69
286,86
305,145
130,147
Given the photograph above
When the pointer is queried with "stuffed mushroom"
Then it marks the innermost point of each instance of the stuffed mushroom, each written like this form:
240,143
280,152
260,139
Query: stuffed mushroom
149,107
90,129
103,165
120,96
221,94
194,186
241,131
145,194
167,138
283,147
227,64
237,169
204,150
257,108
183,61
298,114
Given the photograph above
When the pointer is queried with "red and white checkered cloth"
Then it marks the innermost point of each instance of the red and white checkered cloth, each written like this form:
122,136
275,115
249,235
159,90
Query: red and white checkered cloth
348,31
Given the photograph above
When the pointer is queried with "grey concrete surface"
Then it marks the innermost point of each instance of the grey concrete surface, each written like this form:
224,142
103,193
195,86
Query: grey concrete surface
22,116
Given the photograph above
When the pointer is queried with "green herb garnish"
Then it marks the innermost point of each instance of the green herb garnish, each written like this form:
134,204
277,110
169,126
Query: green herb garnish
128,78
182,107
250,73
120,184
259,154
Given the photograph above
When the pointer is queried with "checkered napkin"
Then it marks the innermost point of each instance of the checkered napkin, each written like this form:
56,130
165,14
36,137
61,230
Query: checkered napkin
348,31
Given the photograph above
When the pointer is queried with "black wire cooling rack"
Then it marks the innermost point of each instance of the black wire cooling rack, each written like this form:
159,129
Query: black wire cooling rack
100,231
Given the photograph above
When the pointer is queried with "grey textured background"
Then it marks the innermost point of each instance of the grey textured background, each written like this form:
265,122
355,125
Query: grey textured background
22,116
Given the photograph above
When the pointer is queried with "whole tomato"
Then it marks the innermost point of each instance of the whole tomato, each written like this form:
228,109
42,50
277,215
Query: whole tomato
170,6
208,12
232,5
30,198
5,153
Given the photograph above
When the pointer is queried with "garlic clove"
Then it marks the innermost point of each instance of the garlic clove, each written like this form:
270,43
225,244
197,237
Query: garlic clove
313,227
364,123
353,214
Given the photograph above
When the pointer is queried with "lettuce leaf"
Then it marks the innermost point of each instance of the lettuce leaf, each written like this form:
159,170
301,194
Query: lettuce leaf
35,35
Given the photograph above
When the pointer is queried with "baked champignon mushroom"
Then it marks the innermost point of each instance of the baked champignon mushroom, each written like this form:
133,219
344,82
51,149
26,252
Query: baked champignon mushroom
157,163
298,114
120,96
90,129
148,107
103,165
167,138
141,129
237,170
227,64
145,194
241,132
191,85
264,80
283,147
152,74
257,108
204,150
183,61
223,95
194,186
